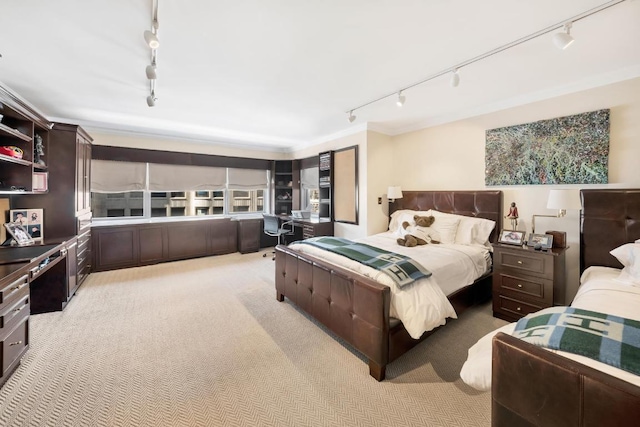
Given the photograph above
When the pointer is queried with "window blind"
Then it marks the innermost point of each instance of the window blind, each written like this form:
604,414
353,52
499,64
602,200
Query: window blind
117,177
240,179
309,177
185,178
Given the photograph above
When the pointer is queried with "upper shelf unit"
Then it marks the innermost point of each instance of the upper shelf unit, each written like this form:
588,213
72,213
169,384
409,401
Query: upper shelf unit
24,140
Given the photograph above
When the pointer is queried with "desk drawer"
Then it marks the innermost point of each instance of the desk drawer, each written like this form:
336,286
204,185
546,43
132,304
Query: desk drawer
14,313
14,346
14,289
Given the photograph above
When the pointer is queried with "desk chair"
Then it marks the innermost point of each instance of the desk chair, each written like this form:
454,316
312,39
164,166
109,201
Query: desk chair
273,227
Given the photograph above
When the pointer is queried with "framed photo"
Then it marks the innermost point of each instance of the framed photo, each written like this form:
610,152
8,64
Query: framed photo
544,240
511,237
18,233
31,221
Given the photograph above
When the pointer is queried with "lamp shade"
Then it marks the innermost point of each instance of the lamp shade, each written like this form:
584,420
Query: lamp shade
564,200
394,193
562,40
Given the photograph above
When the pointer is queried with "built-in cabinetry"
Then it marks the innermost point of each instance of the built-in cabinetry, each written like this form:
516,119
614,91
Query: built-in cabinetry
526,280
325,177
323,227
123,246
67,204
286,184
249,233
24,140
14,316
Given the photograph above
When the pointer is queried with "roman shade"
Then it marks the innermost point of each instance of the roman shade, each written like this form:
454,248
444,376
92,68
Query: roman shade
185,178
117,177
309,177
242,179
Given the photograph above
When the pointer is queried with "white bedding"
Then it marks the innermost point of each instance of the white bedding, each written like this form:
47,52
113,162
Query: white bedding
600,291
422,305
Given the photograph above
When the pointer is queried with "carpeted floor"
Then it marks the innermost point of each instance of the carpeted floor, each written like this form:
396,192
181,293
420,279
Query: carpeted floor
204,342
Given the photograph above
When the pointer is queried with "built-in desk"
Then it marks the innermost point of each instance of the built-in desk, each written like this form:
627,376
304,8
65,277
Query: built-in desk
308,227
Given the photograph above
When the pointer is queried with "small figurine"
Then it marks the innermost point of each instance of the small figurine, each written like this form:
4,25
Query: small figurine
38,151
513,215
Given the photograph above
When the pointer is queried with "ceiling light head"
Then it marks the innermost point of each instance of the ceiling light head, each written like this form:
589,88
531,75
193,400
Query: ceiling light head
155,24
151,99
563,40
401,99
351,117
152,72
151,39
455,78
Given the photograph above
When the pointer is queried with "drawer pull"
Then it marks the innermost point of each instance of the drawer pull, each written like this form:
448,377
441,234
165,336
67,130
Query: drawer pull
15,343
520,285
520,262
518,309
17,309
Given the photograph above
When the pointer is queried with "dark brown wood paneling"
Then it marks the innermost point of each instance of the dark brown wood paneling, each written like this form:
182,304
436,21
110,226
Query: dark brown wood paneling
152,248
115,247
187,239
223,236
105,152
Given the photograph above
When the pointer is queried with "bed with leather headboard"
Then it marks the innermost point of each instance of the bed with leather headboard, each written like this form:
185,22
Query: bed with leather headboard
356,307
535,387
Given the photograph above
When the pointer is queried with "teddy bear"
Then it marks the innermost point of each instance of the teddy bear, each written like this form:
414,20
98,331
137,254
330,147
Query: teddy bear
417,234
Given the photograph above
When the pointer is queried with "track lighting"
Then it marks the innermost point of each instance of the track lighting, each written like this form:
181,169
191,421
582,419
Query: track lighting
563,40
401,99
151,99
151,39
151,72
351,117
455,78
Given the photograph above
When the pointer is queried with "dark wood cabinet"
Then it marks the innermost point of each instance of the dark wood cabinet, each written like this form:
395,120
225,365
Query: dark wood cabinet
26,134
72,267
323,227
123,246
286,184
325,173
249,233
14,316
526,280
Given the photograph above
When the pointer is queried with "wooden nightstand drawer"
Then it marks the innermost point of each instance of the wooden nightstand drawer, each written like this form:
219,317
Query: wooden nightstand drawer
526,262
540,290
514,308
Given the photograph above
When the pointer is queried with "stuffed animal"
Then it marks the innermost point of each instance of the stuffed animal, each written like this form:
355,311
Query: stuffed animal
418,234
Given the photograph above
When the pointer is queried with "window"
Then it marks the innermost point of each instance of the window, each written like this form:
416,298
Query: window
226,191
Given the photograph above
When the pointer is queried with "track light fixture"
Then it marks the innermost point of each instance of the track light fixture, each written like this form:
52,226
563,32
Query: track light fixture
455,78
151,99
563,40
151,71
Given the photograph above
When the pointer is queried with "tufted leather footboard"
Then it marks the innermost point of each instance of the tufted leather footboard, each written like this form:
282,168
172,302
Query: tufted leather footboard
352,306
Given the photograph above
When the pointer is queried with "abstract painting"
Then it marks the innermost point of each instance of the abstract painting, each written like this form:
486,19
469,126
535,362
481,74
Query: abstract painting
565,150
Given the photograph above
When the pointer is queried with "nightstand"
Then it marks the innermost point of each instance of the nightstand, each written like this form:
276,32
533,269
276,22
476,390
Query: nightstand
526,280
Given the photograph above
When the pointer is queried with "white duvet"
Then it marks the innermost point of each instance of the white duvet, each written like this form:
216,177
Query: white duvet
422,305
600,291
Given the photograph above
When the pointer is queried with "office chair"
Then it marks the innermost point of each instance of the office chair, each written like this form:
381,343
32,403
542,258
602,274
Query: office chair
273,227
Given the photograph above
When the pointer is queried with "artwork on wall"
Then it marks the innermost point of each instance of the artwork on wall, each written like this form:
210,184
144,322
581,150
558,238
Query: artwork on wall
31,220
564,150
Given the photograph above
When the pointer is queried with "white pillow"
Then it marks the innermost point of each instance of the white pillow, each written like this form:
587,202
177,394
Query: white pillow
629,256
446,227
395,218
471,230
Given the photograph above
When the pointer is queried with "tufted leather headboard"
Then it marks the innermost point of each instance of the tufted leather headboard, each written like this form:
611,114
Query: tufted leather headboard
481,204
610,218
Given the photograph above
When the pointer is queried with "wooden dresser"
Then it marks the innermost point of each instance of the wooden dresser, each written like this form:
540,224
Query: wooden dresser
14,316
526,280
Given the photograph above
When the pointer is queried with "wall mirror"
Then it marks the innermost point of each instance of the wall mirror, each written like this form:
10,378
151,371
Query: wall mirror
345,187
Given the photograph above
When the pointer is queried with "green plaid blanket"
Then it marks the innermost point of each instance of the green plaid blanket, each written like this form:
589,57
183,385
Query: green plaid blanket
610,339
402,269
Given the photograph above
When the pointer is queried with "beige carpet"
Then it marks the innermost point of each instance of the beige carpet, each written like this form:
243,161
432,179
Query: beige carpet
204,342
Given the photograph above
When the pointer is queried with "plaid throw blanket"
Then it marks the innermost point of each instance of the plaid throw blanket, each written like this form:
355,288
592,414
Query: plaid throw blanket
402,269
610,339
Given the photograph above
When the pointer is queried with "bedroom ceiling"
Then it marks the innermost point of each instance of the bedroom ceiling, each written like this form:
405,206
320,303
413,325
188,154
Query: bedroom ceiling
282,74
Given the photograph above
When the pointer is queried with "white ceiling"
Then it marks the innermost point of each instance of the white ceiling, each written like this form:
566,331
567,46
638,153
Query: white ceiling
282,74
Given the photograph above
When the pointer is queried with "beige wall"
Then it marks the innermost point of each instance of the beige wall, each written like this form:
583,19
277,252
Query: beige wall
451,156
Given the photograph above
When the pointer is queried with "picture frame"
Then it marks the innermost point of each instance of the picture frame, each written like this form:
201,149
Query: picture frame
512,237
18,233
544,240
31,220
